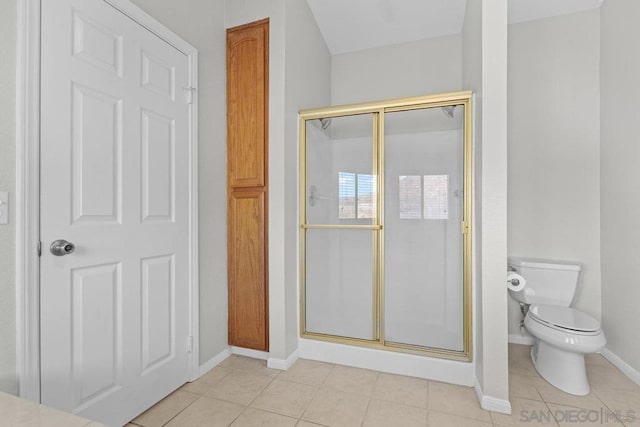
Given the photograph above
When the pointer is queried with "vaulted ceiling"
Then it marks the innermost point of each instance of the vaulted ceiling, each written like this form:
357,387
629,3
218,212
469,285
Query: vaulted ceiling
352,25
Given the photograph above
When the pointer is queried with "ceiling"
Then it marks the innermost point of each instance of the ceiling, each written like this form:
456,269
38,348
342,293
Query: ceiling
352,25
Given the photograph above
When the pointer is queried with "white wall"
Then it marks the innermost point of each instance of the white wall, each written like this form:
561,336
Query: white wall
308,77
305,68
554,148
620,177
472,80
485,72
409,69
494,380
8,381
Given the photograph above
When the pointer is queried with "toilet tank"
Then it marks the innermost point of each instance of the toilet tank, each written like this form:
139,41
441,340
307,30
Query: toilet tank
548,282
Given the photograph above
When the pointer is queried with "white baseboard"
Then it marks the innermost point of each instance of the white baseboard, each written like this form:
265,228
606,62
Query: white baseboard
449,371
213,362
247,352
629,371
490,403
521,339
283,364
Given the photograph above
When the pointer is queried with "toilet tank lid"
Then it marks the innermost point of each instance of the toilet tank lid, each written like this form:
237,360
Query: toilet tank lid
544,263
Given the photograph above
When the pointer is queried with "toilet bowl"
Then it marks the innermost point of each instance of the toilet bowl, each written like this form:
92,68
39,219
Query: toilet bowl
563,336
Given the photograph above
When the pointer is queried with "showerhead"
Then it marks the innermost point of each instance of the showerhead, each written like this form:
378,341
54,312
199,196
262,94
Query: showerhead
325,123
447,110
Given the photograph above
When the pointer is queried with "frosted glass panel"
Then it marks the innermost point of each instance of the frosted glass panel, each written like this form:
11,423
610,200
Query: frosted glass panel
341,187
339,283
423,212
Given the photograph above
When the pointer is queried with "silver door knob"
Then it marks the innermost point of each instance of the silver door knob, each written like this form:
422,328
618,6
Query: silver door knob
62,247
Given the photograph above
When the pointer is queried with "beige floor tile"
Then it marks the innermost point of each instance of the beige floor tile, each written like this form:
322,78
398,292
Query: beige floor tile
624,403
384,414
525,412
520,360
519,351
523,386
401,389
303,423
551,394
457,400
332,407
198,387
207,412
609,377
285,397
438,419
596,359
239,387
248,364
571,416
166,409
352,380
204,383
307,372
257,418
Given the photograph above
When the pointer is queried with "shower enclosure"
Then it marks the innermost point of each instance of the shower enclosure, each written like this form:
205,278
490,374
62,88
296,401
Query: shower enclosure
385,215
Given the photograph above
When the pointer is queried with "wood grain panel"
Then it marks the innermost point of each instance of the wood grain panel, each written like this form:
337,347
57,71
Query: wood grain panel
247,278
247,184
247,86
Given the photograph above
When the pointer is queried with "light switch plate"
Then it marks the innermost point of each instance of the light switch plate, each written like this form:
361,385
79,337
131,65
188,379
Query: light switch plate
4,207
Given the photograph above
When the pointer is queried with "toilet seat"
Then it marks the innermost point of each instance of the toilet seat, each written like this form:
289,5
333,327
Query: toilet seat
564,319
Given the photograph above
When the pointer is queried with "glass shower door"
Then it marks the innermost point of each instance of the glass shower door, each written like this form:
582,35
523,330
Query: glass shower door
341,216
423,213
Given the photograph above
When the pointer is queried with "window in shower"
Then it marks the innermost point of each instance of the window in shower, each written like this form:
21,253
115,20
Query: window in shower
423,197
385,208
356,195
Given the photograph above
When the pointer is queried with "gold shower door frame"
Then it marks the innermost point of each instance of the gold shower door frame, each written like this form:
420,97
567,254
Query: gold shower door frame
378,110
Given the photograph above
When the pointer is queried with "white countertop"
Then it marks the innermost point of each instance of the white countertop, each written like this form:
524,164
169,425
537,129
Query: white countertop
16,412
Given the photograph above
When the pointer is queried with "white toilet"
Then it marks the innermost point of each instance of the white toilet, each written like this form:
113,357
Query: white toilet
563,334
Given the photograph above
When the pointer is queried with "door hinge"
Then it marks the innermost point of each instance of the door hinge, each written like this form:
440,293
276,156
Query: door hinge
189,92
464,227
190,344
39,248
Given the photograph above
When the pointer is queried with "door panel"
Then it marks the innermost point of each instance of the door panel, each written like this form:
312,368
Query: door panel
247,290
247,108
158,311
340,283
115,182
424,187
96,155
96,330
157,167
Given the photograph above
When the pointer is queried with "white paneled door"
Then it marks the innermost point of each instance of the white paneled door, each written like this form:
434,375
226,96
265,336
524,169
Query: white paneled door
115,185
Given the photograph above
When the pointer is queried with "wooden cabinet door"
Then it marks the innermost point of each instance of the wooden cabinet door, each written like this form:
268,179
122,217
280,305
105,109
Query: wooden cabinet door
247,93
247,275
247,184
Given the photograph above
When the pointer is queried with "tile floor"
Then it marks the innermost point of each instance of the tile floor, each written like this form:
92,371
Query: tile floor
244,392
